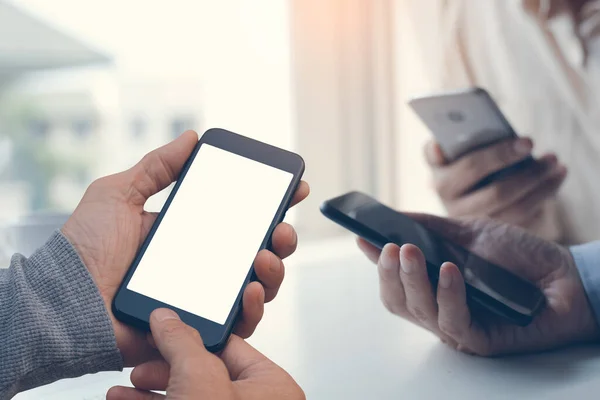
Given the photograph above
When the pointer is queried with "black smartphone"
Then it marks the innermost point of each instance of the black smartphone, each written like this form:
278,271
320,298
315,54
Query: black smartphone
489,286
466,120
198,257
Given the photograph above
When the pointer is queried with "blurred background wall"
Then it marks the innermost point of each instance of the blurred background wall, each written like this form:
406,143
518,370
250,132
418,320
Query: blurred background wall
86,88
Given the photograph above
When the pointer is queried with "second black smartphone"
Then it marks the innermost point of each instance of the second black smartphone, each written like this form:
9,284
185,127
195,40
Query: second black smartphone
488,286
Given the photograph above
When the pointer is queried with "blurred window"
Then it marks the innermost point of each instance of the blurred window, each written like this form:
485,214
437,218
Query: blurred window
83,128
38,128
182,124
139,127
94,100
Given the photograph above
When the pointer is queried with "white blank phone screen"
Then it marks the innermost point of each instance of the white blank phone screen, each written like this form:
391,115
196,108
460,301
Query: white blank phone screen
205,245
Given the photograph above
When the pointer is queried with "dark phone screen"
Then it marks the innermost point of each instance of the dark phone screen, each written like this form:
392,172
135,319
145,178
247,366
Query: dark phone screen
395,227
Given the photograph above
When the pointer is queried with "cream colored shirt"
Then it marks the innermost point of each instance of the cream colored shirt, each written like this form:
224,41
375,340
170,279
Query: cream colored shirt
543,69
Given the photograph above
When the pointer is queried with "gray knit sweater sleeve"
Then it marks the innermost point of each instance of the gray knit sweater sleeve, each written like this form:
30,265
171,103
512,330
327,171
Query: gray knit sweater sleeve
53,323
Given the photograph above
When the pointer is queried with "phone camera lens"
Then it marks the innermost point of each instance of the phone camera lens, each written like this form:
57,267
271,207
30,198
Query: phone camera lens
456,116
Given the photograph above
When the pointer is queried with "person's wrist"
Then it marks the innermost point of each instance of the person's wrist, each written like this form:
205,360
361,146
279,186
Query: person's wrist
89,322
575,321
132,343
586,266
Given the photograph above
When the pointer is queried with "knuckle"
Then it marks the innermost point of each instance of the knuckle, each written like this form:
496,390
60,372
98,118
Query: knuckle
189,366
173,332
107,187
412,286
419,315
147,159
474,350
450,329
463,348
152,162
392,306
193,333
100,184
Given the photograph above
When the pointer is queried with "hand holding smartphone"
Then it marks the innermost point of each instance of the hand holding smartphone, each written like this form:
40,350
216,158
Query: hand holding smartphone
485,168
468,120
233,191
488,286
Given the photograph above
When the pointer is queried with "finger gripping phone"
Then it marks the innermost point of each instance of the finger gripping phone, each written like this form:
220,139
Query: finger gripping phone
197,258
466,120
489,287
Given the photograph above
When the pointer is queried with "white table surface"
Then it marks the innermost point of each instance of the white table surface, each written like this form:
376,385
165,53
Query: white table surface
329,330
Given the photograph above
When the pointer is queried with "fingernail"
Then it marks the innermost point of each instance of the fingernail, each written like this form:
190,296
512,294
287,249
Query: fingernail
386,261
445,278
163,314
406,264
523,146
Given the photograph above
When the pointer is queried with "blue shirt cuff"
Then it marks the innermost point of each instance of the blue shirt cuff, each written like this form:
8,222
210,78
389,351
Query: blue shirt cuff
587,260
